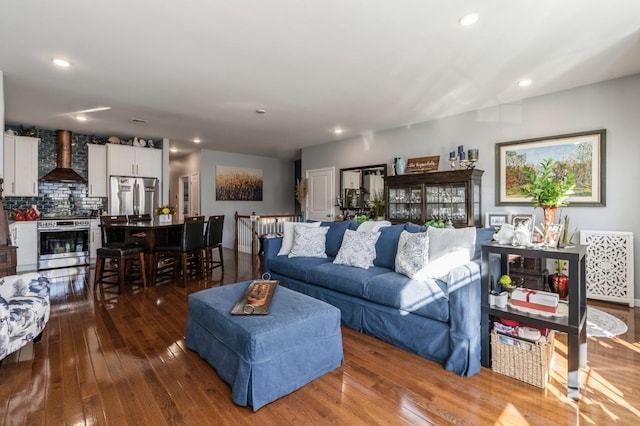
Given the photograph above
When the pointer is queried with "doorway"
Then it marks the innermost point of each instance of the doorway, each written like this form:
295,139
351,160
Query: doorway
189,195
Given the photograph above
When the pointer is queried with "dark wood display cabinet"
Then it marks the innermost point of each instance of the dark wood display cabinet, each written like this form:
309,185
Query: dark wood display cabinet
8,261
573,323
420,197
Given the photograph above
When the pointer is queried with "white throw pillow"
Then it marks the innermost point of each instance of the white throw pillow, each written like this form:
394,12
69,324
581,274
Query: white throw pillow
372,225
309,241
413,253
288,232
448,248
358,249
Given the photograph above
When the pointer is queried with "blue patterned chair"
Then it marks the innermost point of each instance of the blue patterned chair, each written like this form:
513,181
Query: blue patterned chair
24,310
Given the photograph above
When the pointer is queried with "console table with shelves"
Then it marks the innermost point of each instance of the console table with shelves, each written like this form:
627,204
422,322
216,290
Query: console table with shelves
573,324
419,197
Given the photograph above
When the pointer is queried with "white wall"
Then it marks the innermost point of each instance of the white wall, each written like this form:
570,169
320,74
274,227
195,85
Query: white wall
612,105
277,195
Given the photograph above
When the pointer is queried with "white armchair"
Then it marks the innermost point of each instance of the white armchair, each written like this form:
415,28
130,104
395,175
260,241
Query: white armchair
24,310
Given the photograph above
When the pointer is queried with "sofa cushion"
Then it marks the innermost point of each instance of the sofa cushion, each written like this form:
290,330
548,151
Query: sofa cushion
335,234
387,245
358,249
413,253
295,267
288,232
428,298
449,248
309,242
345,279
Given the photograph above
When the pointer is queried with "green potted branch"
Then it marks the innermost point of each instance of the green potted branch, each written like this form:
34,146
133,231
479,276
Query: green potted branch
546,190
377,204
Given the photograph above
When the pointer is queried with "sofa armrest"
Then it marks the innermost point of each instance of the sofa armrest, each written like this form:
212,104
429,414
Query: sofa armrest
464,285
30,284
271,248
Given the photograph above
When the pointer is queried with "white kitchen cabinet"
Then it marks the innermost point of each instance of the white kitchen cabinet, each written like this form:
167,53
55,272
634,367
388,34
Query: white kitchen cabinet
20,166
95,239
97,165
24,235
124,160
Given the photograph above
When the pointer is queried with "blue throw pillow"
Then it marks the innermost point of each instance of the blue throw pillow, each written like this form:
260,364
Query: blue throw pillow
387,246
483,236
413,228
334,235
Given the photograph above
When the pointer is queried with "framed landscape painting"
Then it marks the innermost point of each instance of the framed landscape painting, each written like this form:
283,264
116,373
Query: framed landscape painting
582,154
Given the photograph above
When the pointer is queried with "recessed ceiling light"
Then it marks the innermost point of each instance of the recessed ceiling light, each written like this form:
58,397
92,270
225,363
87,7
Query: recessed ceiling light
524,83
338,131
174,149
81,118
63,63
197,140
261,111
468,19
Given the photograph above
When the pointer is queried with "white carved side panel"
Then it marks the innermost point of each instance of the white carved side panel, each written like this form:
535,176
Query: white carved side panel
609,265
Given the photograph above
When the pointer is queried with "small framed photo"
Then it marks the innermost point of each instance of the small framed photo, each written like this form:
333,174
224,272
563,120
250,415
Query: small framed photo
496,220
526,220
552,234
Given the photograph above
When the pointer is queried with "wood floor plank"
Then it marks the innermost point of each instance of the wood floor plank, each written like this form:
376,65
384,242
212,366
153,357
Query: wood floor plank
109,358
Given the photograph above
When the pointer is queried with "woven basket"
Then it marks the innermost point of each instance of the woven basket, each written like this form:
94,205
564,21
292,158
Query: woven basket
528,362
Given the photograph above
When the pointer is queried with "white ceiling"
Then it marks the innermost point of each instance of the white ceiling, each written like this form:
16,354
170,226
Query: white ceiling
201,68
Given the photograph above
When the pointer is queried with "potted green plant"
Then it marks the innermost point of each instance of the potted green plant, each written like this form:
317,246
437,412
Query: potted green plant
377,204
546,189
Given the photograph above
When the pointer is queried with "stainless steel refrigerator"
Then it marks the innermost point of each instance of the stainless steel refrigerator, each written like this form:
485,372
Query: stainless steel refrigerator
132,195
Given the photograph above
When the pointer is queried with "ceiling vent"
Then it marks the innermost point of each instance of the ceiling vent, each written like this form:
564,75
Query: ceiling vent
138,121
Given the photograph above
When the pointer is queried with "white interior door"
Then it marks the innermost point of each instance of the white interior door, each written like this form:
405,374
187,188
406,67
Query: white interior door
322,194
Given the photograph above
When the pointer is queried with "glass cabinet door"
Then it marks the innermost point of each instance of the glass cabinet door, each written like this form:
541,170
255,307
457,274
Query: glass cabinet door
446,202
405,203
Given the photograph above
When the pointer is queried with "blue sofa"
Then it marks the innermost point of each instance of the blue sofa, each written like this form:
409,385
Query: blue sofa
436,319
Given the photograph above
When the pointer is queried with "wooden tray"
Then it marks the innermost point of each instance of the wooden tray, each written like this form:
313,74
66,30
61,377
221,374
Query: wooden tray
242,308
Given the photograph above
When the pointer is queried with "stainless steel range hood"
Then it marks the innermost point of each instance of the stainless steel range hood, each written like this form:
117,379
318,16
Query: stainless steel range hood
63,171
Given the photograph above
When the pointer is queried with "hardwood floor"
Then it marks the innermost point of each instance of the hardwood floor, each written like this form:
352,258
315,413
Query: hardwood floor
121,360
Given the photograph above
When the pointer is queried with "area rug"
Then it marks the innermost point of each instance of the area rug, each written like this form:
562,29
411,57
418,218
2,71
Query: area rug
602,324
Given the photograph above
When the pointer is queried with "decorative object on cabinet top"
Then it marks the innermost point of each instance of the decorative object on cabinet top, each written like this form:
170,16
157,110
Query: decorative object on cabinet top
32,132
423,164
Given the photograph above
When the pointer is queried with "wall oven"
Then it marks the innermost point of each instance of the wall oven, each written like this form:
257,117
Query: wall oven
63,242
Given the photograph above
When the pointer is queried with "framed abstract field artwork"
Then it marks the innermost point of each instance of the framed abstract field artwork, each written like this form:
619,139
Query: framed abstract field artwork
238,184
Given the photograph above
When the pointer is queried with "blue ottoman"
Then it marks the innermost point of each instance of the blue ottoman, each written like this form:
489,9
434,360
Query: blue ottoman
264,357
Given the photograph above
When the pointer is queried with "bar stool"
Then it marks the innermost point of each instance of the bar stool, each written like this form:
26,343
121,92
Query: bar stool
187,250
213,239
120,252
